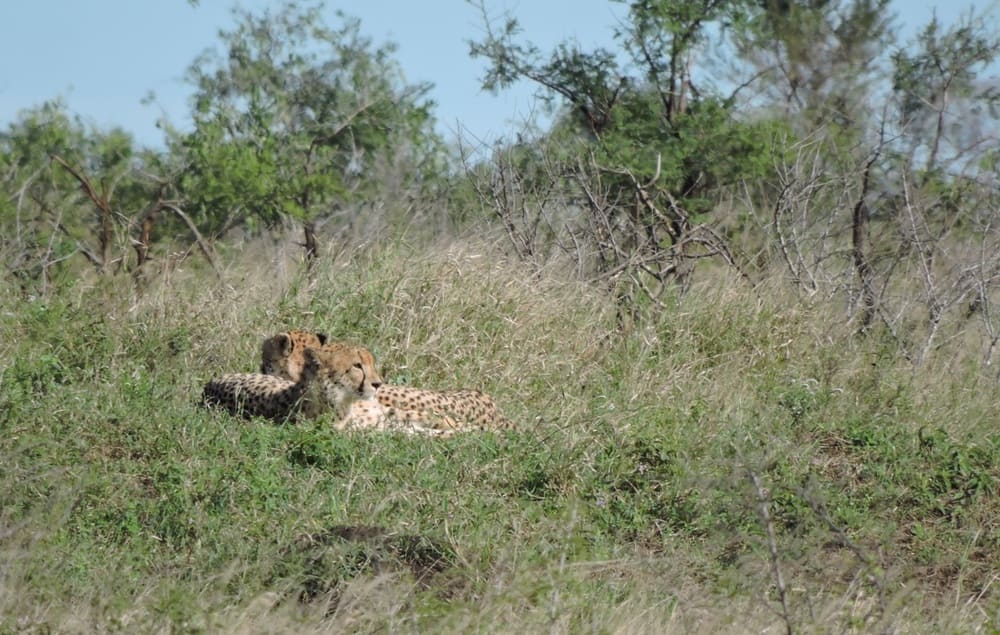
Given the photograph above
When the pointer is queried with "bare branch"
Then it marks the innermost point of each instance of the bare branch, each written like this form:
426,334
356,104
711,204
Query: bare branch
103,205
206,249
763,508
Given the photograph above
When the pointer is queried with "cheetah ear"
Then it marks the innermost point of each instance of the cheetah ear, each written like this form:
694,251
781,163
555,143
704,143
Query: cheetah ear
312,365
321,337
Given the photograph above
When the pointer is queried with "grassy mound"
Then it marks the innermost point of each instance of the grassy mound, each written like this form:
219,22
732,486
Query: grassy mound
741,462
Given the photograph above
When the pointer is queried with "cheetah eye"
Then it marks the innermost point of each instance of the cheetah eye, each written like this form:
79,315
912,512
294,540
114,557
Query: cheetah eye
358,366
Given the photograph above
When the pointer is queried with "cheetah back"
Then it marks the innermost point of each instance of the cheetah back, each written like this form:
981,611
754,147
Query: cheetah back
250,394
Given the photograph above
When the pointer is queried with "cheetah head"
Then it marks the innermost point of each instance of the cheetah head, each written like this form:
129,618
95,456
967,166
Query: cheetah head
283,355
342,373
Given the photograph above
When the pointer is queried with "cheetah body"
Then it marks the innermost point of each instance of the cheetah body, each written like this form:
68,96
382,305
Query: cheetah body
463,408
370,414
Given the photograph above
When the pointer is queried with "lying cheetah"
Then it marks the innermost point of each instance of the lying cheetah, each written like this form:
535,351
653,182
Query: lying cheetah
331,378
283,355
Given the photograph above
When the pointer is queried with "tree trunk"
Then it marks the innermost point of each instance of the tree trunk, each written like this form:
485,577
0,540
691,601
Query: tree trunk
309,230
145,237
862,265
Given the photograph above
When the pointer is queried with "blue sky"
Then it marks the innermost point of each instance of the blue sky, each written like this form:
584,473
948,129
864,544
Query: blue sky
103,56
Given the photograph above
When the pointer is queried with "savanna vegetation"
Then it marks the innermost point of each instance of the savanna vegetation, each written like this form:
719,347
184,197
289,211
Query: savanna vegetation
738,295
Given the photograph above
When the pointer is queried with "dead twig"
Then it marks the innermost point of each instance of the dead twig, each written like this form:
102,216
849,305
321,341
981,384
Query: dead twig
206,249
763,508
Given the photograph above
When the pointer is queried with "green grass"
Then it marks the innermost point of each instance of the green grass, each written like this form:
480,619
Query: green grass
624,504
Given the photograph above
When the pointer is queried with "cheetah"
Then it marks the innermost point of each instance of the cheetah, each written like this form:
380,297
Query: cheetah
331,378
283,354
